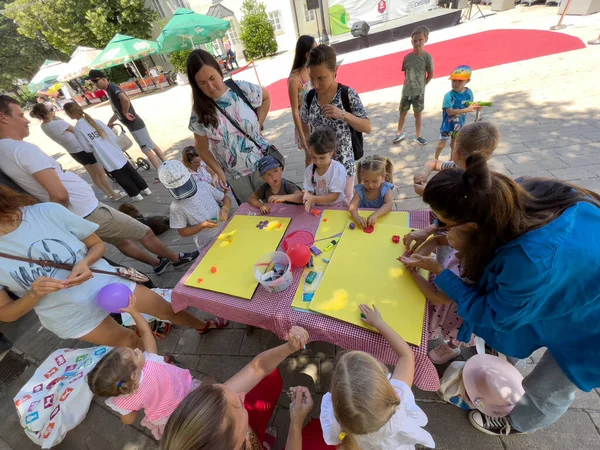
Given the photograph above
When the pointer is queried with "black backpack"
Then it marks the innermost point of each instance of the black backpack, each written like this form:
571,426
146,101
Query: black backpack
357,137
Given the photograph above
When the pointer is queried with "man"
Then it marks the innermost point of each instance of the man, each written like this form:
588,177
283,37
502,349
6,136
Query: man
43,178
123,110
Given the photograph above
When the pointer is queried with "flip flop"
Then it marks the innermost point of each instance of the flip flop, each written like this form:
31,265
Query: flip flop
218,323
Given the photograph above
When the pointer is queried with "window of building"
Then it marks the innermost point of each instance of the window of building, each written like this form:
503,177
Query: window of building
180,4
309,14
232,35
158,7
275,19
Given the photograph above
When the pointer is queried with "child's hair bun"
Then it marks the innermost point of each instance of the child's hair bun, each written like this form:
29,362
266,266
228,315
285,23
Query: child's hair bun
477,174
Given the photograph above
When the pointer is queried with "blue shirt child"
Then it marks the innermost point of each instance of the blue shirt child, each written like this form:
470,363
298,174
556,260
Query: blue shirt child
454,100
378,202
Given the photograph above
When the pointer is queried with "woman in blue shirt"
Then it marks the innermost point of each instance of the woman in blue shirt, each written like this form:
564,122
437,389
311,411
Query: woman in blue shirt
534,257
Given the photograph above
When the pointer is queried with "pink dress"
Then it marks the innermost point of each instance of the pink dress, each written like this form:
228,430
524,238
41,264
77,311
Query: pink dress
162,388
444,320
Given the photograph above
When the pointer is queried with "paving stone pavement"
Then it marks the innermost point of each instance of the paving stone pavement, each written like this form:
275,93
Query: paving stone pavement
547,111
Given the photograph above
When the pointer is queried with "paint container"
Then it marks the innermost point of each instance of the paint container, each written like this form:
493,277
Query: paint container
273,272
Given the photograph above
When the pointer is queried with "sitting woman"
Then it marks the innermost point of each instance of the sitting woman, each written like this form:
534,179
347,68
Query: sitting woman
198,168
65,300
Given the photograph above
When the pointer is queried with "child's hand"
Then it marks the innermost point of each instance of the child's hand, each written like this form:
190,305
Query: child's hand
473,107
422,262
301,404
224,214
308,201
297,338
372,316
420,178
131,308
209,224
361,221
276,199
265,209
372,219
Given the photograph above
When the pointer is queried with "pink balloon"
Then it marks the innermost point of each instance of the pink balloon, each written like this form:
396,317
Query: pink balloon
113,297
299,255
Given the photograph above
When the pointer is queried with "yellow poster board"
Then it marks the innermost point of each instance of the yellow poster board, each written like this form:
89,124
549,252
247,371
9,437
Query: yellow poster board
364,269
234,254
332,223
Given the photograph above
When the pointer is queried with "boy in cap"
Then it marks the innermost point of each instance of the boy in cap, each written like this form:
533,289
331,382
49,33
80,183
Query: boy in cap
454,108
276,189
196,210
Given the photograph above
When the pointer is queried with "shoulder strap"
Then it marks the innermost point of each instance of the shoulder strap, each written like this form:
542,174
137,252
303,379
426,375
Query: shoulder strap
231,84
237,125
346,98
309,97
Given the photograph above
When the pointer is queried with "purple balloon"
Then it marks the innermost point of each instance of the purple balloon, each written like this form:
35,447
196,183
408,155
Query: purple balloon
113,297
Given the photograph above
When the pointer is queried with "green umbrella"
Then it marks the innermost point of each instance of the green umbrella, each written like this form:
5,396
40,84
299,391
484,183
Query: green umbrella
188,29
123,49
47,75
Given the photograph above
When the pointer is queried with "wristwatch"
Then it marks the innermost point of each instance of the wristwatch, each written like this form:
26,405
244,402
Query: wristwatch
343,115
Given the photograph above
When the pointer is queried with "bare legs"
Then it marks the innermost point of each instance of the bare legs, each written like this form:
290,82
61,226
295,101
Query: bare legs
155,245
131,250
401,121
109,332
156,156
150,243
418,123
100,179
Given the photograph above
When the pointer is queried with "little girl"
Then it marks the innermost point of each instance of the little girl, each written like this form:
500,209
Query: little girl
375,175
366,409
95,137
324,179
135,380
444,320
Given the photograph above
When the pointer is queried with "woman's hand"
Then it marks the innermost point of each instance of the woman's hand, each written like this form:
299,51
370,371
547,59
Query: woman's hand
372,219
333,112
224,214
222,179
301,405
372,316
131,308
415,238
265,209
130,116
422,262
46,285
298,338
79,274
303,143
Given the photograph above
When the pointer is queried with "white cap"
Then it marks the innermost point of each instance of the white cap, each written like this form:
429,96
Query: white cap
177,179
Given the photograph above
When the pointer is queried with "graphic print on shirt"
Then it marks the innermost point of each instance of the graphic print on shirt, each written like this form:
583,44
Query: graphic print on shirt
321,184
53,250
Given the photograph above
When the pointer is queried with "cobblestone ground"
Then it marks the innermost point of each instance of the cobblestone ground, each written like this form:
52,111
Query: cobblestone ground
547,111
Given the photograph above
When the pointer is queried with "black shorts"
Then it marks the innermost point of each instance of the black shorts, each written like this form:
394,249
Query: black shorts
84,158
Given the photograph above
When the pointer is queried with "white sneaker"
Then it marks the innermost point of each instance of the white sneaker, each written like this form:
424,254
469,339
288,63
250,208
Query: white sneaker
137,198
147,191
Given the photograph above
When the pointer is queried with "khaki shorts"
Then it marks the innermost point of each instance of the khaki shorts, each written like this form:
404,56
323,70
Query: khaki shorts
114,226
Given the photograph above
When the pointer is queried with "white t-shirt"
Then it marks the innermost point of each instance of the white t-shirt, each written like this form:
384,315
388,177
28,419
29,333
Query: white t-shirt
58,131
49,231
191,211
333,181
105,149
20,160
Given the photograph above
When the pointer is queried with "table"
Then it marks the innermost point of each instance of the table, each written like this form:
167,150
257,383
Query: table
273,312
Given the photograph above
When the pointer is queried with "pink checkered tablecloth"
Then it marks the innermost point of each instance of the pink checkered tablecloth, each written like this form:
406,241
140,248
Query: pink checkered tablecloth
273,312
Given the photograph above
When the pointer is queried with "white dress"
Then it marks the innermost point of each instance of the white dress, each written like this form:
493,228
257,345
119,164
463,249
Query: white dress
402,432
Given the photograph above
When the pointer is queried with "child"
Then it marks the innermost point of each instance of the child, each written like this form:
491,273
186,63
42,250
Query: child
476,137
95,137
418,69
135,380
375,175
276,189
454,108
365,410
195,211
324,179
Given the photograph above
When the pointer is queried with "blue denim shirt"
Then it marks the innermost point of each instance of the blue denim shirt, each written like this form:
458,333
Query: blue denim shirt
541,290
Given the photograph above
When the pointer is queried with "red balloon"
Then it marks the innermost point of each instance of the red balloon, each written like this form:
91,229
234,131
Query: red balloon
299,255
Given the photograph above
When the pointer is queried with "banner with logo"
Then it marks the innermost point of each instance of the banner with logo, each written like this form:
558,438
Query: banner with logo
344,13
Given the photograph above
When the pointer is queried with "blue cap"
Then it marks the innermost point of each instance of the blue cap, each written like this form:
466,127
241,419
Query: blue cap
267,163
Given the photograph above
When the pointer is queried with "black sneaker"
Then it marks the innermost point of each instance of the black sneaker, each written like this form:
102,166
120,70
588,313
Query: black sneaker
494,426
185,259
421,141
162,265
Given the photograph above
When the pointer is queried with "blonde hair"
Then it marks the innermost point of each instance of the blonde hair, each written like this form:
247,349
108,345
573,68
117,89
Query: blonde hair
422,29
383,166
363,398
200,422
112,375
478,137
76,110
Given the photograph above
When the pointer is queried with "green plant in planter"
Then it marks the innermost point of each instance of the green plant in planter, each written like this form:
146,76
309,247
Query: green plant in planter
179,60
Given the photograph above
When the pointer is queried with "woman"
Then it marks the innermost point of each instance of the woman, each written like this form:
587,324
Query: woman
226,150
197,167
64,301
326,109
534,256
64,134
298,86
234,415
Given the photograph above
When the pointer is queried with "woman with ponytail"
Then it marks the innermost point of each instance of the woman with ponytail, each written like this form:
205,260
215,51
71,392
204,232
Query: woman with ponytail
95,137
533,254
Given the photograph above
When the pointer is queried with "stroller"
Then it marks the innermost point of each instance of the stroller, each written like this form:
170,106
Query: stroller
125,144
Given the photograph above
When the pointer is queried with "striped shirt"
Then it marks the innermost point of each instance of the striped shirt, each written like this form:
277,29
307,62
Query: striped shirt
162,388
448,165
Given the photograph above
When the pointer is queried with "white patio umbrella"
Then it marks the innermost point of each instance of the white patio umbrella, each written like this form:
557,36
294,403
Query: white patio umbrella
78,65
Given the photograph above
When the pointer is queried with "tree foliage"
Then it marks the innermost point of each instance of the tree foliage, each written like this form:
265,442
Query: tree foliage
66,24
179,60
258,35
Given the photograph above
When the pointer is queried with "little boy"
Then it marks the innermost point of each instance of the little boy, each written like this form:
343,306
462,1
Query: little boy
418,69
276,189
476,137
454,108
195,211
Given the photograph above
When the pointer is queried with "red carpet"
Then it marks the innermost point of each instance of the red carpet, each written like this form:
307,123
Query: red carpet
480,50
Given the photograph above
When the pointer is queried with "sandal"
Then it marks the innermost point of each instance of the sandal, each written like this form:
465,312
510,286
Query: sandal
213,324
